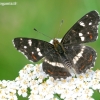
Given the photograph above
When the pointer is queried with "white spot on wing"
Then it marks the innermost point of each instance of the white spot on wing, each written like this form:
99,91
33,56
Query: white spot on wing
90,23
21,39
26,56
82,23
94,63
54,63
39,53
97,38
87,15
79,55
30,42
13,43
38,49
82,38
80,34
32,52
88,33
25,47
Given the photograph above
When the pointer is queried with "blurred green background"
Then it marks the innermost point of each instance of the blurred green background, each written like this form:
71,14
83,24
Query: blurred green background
44,15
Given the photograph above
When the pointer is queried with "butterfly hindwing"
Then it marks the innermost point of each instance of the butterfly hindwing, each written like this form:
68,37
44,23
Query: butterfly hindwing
53,66
82,57
84,30
33,49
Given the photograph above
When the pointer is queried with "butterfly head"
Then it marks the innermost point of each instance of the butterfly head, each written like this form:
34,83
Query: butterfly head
58,46
55,42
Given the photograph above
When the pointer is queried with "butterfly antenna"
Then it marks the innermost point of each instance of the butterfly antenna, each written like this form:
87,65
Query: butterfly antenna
41,33
59,27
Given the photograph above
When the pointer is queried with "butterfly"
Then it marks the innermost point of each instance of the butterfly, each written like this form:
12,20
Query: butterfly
60,59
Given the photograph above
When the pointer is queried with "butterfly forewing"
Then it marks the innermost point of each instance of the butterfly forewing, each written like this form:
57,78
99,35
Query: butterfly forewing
33,49
84,30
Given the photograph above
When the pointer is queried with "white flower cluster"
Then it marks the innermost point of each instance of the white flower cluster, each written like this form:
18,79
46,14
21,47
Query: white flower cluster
37,85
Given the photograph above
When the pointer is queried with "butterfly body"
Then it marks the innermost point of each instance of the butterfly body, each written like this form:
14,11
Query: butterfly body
69,55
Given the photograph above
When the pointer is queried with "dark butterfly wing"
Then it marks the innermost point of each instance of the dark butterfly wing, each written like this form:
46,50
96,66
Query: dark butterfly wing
84,30
53,66
33,49
83,57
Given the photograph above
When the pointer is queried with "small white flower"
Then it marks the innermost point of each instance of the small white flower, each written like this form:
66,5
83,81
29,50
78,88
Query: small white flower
23,92
43,87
